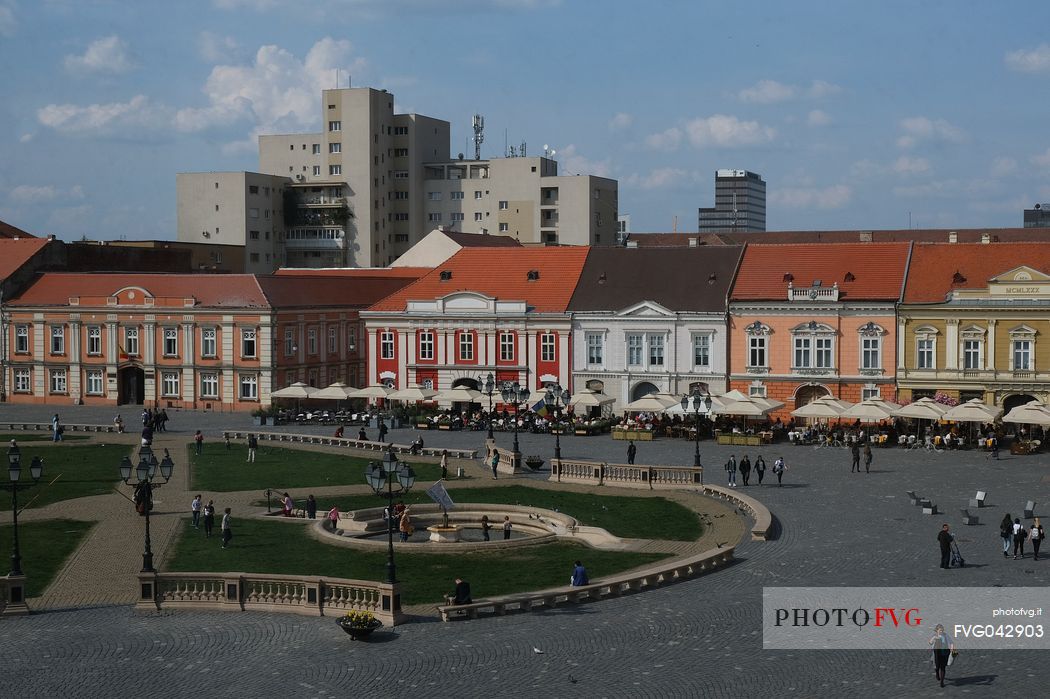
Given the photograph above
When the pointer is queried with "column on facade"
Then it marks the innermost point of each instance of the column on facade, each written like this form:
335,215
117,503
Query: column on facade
530,359
902,326
372,357
187,353
411,348
74,355
112,360
229,390
404,338
149,360
564,360
989,345
951,341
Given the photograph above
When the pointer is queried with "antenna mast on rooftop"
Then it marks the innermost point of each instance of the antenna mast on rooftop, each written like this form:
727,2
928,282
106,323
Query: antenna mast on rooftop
479,135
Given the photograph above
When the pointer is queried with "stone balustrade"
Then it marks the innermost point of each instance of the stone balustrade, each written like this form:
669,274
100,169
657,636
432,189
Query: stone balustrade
294,594
13,595
660,574
762,529
46,427
429,454
626,475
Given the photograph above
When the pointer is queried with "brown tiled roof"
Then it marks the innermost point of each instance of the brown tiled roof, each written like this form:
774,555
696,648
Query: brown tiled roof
15,253
482,240
863,271
358,272
292,291
676,240
690,279
9,231
503,275
210,290
929,235
937,269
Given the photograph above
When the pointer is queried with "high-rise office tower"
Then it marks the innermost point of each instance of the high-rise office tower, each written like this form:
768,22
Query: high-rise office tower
740,203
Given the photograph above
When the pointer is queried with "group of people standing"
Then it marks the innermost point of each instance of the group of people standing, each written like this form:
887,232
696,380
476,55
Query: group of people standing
199,511
745,468
1013,532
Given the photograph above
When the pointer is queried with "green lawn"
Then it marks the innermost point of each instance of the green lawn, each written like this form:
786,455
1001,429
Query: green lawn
69,472
6,437
222,470
261,546
44,546
623,516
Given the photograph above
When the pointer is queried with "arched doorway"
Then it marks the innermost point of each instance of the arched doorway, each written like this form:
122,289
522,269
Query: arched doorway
131,386
809,393
1015,400
643,389
466,382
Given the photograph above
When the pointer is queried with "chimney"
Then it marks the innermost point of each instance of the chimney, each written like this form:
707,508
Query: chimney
693,242
632,243
985,238
866,237
953,237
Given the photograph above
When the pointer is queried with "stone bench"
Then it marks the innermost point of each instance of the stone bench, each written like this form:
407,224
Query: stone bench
763,518
929,509
912,497
978,500
968,519
1029,509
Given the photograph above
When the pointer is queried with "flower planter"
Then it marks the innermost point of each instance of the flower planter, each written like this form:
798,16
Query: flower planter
422,425
582,432
357,630
534,463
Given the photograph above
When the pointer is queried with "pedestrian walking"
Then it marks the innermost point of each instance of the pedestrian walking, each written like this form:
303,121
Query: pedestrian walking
1006,531
382,431
485,527
444,464
209,518
867,458
731,471
1019,536
495,463
944,539
227,531
1035,535
506,527
579,575
631,451
147,436
253,444
778,470
195,509
855,461
56,429
943,649
333,517
226,440
760,469
118,422
198,440
745,469
311,507
993,442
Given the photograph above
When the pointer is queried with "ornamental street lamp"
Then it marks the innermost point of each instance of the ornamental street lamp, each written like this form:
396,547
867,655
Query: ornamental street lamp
556,399
384,473
14,471
514,394
145,474
488,389
698,399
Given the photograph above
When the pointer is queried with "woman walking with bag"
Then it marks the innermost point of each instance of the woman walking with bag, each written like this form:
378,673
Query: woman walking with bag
943,649
1006,531
1035,535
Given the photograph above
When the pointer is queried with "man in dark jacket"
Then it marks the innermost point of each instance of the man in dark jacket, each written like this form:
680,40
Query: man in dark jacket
944,538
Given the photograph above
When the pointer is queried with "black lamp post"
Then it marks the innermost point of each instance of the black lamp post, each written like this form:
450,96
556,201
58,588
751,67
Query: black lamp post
698,399
14,470
145,473
489,390
384,473
516,395
555,399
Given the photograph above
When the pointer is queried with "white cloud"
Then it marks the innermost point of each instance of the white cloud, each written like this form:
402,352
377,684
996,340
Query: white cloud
822,88
137,113
907,165
1003,166
833,197
8,21
572,163
257,5
920,128
30,194
946,188
620,121
1035,61
106,55
767,92
214,48
723,130
818,117
660,178
866,168
665,140
1043,159
25,138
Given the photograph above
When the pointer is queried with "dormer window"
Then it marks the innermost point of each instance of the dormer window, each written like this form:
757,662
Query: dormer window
958,278
446,275
789,277
533,275
849,277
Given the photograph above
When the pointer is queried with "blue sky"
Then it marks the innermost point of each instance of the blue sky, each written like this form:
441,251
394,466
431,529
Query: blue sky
857,114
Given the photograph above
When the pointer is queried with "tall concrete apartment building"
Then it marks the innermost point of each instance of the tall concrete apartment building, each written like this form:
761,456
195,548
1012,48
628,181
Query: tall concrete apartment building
372,183
740,204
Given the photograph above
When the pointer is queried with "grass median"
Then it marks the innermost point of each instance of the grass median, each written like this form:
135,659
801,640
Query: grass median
45,547
41,437
70,472
261,546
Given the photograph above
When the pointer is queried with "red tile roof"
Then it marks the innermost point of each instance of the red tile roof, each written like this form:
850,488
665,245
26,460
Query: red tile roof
932,274
15,253
877,270
501,274
928,235
386,272
288,291
210,290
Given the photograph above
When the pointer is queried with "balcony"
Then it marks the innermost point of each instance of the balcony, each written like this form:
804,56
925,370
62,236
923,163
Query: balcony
813,293
322,201
315,238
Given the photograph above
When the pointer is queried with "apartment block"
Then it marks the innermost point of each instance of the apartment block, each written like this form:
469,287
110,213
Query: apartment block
740,204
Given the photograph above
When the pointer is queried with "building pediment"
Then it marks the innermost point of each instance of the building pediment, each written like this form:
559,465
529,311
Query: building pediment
466,302
645,309
1023,273
1022,282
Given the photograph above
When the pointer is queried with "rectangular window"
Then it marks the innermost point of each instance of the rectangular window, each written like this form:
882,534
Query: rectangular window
22,339
335,169
434,218
248,342
455,195
399,195
400,152
170,384
289,342
656,350
58,380
386,345
333,340
400,174
1022,355
400,130
335,147
477,194
503,205
58,339
249,387
426,345
131,341
823,353
317,170
803,346
756,351
506,347
456,216
503,227
253,189
335,126
433,196
94,341
866,393
316,149
311,341
171,342
208,342
253,235
547,347
477,215
351,338
924,354
466,347
595,347
971,354
701,351
871,353
634,350
209,385
23,380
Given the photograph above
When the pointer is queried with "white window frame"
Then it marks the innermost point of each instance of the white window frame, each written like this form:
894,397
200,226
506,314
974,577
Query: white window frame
131,340
386,345
426,345
311,341
335,170
170,384
58,339
335,147
171,342
95,382
21,339
335,126
635,349
506,347
248,386
249,338
333,340
289,342
548,347
1022,347
504,205
972,354
702,350
757,352
208,342
465,345
210,385
58,381
824,352
656,350
926,346
94,340
871,352
595,344
870,391
23,380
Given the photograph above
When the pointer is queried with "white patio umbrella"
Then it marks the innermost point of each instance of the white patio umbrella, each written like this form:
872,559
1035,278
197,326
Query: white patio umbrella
923,409
590,399
747,407
825,407
298,390
413,394
1032,413
652,403
336,391
871,410
459,394
974,410
372,392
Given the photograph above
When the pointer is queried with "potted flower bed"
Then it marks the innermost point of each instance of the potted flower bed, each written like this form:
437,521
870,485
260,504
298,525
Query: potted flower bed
534,462
359,624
